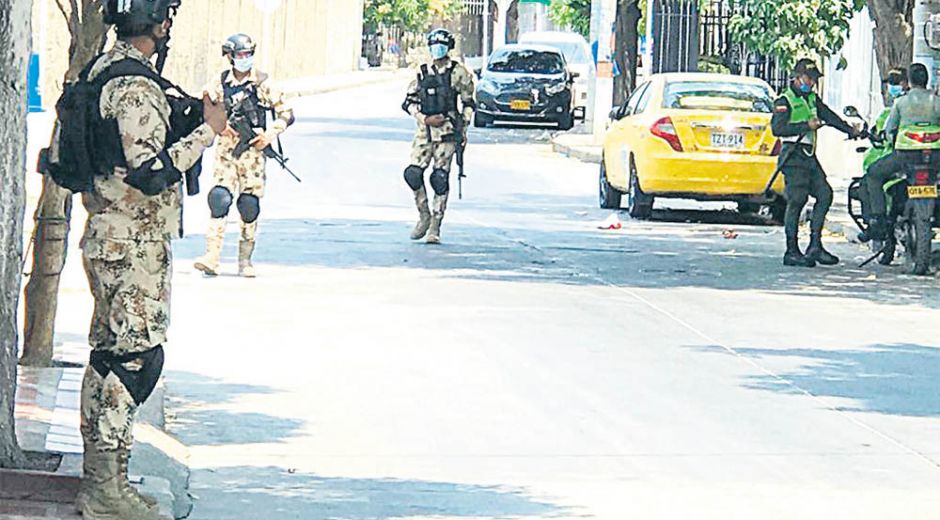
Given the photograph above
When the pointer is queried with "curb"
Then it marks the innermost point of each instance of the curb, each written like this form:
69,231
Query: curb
390,77
577,152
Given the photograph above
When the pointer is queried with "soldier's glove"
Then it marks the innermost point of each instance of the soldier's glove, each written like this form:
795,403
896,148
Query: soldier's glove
152,180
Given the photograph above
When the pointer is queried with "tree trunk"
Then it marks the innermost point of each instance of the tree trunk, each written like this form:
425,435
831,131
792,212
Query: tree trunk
53,216
894,33
627,47
512,23
15,36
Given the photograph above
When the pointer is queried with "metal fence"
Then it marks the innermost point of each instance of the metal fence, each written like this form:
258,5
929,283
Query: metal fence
675,36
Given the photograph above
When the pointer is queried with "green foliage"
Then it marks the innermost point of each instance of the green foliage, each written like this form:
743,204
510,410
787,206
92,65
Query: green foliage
409,15
575,14
792,29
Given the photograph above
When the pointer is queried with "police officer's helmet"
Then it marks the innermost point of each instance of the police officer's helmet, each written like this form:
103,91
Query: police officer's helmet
138,16
238,43
808,67
442,36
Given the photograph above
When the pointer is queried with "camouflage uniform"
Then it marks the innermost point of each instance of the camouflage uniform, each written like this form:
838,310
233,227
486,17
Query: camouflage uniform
436,146
126,247
244,175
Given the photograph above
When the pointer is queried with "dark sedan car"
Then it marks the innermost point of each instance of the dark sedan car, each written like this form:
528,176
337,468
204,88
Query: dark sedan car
528,83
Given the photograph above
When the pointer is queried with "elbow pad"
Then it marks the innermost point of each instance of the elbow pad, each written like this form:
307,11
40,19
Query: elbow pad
153,181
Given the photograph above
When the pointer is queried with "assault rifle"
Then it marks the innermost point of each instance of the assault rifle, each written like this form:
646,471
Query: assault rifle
461,141
244,119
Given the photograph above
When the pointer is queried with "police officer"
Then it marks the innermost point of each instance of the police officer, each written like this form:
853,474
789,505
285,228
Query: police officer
241,180
133,214
896,85
798,115
432,101
919,107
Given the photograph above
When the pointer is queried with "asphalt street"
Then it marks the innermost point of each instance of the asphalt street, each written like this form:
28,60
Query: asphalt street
534,366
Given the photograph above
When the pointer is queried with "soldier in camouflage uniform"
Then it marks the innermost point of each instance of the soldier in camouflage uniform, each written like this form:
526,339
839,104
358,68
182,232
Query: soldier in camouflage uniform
241,180
133,214
432,101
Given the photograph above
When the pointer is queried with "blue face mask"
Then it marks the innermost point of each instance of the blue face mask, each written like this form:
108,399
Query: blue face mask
439,51
895,91
804,88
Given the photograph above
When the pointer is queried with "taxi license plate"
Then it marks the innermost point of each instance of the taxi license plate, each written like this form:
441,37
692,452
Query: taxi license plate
922,192
520,104
727,140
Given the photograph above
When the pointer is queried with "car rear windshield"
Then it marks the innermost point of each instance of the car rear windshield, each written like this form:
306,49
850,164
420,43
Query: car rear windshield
714,95
527,62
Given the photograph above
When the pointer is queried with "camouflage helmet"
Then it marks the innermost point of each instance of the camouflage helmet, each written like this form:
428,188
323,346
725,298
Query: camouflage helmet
442,36
135,13
238,43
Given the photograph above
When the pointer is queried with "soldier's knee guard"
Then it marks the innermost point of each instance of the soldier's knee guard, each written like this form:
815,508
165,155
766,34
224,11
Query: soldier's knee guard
220,200
414,176
440,182
249,207
139,383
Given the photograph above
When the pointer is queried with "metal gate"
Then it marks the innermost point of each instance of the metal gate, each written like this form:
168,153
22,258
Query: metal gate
675,36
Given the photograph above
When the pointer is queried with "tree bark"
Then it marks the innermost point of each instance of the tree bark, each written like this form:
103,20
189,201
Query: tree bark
512,23
53,216
894,33
15,36
627,47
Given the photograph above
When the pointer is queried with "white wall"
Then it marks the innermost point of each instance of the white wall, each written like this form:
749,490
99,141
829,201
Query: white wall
860,83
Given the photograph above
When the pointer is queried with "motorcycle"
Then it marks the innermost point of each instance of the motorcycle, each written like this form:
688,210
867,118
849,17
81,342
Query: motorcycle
911,197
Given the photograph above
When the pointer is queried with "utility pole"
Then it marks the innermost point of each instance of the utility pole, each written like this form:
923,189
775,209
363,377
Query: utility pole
601,86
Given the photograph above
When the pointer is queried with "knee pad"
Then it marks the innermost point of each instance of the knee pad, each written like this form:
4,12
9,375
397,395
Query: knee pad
220,200
440,182
249,207
414,177
139,383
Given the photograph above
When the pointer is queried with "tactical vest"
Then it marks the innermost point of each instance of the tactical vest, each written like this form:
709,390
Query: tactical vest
436,91
802,109
249,89
87,145
876,153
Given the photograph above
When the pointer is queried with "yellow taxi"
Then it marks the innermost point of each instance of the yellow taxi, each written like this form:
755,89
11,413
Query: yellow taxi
692,136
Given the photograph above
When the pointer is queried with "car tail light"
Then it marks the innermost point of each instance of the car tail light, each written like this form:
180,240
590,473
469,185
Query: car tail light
664,129
923,137
778,147
921,177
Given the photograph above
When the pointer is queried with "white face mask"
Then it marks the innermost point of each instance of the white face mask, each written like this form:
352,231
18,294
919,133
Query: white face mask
439,50
243,64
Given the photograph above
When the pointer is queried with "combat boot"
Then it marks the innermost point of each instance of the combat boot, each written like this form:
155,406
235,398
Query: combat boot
437,218
215,236
245,250
107,493
817,253
794,258
124,459
424,214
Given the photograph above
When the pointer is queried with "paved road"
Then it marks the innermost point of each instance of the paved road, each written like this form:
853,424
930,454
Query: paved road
534,366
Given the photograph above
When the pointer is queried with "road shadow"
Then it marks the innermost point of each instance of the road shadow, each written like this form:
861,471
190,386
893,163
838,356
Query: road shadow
898,379
271,493
203,413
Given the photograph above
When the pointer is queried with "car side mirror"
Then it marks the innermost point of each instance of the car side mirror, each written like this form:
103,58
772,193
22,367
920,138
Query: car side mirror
478,73
575,75
615,114
850,111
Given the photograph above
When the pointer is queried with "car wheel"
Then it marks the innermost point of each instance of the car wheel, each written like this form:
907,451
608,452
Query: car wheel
566,121
778,210
639,204
609,196
482,121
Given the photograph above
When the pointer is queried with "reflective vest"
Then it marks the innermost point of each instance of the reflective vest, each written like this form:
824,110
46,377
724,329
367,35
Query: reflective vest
923,136
802,109
874,153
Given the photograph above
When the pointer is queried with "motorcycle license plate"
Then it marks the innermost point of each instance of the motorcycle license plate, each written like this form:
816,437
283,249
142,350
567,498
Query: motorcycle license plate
729,141
520,104
922,192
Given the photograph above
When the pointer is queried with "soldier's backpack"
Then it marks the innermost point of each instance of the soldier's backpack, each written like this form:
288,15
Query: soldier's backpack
85,145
